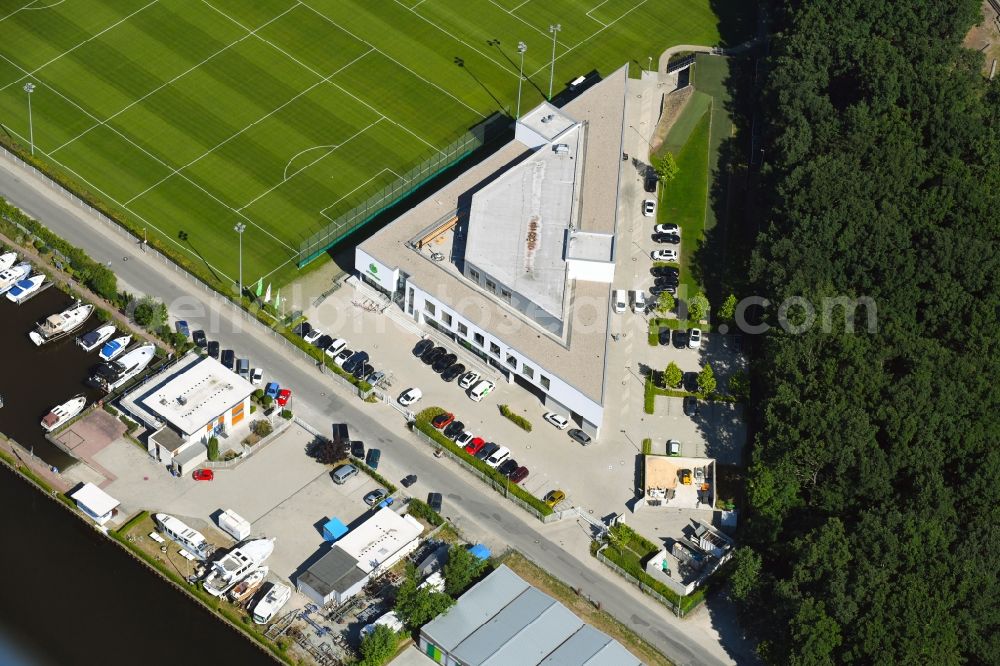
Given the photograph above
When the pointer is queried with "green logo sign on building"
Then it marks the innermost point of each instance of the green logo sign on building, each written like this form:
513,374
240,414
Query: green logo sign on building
373,269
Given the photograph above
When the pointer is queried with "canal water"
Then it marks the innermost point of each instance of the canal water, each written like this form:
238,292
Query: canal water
36,379
70,596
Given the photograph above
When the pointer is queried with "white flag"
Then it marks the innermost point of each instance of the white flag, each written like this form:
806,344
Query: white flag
267,294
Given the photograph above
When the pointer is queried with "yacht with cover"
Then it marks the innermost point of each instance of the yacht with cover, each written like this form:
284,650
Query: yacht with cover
246,587
273,601
236,565
112,349
25,288
11,276
57,326
97,337
192,540
7,260
111,375
60,414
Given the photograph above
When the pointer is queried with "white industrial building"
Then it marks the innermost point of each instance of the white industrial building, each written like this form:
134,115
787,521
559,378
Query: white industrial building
514,259
185,405
94,502
365,552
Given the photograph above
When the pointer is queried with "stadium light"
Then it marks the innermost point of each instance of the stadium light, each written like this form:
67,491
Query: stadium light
30,88
521,48
554,29
240,228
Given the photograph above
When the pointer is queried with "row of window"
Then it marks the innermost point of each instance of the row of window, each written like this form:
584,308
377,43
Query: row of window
490,285
480,341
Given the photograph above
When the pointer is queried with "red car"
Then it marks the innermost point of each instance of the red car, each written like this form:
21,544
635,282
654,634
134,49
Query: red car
203,475
519,474
283,396
442,420
473,447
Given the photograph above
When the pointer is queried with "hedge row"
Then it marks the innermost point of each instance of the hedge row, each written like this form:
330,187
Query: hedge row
423,510
360,464
423,423
517,419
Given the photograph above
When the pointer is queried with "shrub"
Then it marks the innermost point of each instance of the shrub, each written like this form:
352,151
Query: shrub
378,647
213,448
130,425
517,419
706,380
149,313
286,414
665,167
462,568
258,395
263,428
697,307
423,510
329,452
672,376
647,446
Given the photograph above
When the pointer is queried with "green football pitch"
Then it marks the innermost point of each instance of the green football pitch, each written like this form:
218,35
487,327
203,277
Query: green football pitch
188,117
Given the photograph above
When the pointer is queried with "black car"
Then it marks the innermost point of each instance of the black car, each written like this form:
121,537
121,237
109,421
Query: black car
664,271
409,480
508,466
649,184
670,239
200,339
668,280
433,354
691,406
681,339
213,349
454,429
303,329
363,370
453,372
489,449
323,342
229,358
664,336
444,362
354,361
423,347
690,382
434,501
580,436
358,449
372,458
658,289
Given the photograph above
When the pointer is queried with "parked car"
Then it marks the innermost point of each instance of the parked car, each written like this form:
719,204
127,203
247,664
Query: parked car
256,376
453,372
343,473
313,335
664,335
463,439
667,280
619,302
580,436
469,379
497,457
519,475
659,288
694,338
408,480
664,271
358,449
669,239
284,395
680,339
442,420
363,371
558,420
353,362
372,458
488,449
649,182
667,229
229,359
433,355
410,396
375,496
303,329
648,208
199,339
474,446
553,497
213,349
664,255
272,389
508,466
376,377
481,390
422,347
454,429
690,382
691,406
182,328
323,342
243,368
638,301
434,501
342,357
444,362
334,347
203,475
673,447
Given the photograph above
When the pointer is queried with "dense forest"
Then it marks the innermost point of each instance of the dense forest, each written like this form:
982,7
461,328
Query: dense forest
874,526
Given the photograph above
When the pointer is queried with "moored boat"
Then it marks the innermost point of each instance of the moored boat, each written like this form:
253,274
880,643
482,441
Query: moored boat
113,348
25,288
236,565
111,375
60,414
11,276
7,260
246,587
273,601
57,326
97,337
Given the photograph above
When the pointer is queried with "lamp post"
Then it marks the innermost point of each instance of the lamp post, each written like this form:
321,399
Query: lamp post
30,88
649,64
521,48
554,29
240,228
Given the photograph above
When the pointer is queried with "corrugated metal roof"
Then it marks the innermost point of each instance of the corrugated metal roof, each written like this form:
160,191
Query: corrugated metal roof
590,647
534,641
488,639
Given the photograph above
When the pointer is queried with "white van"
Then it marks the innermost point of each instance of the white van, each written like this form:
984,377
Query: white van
481,390
639,301
498,457
618,301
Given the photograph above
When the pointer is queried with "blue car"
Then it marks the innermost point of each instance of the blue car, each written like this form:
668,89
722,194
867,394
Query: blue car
182,328
272,389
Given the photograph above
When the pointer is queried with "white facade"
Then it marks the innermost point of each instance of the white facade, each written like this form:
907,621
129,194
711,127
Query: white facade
96,503
375,272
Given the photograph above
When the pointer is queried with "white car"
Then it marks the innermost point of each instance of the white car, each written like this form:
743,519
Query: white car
667,229
558,420
638,301
663,255
335,347
481,390
498,456
313,335
468,380
619,301
410,396
256,376
343,356
694,338
464,438
673,447
648,208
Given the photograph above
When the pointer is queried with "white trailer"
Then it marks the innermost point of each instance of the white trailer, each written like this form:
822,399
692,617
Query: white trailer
234,524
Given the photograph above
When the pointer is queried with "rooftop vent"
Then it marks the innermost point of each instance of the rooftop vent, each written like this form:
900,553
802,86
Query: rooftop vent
182,400
548,118
561,149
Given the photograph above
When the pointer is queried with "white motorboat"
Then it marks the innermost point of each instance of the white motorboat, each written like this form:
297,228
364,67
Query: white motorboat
113,374
192,540
97,337
246,587
60,325
113,348
236,565
7,260
272,603
11,276
25,288
60,414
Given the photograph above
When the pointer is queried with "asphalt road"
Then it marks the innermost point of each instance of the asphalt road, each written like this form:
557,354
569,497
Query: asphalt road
318,401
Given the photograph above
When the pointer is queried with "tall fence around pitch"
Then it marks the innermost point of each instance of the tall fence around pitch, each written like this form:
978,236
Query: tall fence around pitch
437,162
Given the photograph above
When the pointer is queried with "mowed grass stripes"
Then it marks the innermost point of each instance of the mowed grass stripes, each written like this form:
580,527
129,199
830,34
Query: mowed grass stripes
189,116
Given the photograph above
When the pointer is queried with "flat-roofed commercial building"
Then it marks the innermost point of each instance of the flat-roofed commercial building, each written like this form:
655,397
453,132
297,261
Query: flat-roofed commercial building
514,259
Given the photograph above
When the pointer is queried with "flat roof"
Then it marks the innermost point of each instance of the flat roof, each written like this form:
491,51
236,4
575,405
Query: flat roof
525,632
589,246
168,439
336,571
380,537
578,358
96,500
194,397
547,121
593,648
192,452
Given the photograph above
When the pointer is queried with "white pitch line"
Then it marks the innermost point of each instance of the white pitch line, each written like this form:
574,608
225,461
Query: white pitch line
520,5
333,147
19,9
323,211
595,8
171,81
530,25
32,73
28,8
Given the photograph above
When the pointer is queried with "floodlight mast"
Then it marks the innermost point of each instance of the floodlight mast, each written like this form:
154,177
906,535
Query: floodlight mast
30,88
554,29
521,48
239,229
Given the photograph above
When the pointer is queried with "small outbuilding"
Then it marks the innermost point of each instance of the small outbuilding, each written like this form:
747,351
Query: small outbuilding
334,529
96,503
